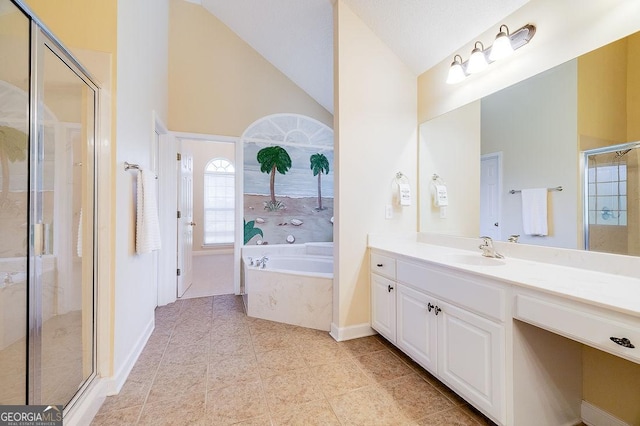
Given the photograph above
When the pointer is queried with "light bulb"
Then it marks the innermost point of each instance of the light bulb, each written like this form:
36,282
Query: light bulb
477,60
502,46
456,72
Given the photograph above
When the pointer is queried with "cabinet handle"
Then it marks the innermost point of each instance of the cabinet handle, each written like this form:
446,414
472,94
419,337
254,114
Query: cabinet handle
437,309
389,287
622,342
430,306
379,265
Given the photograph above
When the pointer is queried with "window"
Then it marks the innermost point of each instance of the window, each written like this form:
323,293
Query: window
608,194
219,201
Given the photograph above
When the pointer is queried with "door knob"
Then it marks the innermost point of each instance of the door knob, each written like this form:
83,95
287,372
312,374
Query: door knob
495,224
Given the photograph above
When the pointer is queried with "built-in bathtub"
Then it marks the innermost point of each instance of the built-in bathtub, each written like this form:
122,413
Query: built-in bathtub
295,286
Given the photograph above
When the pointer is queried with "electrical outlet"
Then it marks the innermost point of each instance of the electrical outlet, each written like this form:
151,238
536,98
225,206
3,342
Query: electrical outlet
443,212
388,211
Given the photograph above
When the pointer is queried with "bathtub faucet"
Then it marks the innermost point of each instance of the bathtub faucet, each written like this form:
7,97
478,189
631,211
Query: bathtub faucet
262,262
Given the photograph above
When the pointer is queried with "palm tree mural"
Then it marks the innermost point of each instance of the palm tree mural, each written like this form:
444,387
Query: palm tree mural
319,165
273,158
13,147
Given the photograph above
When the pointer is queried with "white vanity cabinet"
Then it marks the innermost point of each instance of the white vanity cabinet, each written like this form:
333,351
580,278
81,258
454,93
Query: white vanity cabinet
461,343
383,296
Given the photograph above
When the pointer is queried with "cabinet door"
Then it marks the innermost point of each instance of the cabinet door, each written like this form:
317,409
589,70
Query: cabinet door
472,358
383,306
417,327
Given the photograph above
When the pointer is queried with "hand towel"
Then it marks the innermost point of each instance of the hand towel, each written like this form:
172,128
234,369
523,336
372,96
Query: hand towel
442,198
534,211
405,194
79,242
147,223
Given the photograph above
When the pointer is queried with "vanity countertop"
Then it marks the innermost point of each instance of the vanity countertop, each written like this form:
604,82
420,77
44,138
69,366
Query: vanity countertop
615,292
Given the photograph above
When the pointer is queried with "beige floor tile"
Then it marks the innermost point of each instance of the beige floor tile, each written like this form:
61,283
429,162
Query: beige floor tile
481,418
365,345
442,388
277,361
232,371
288,390
322,352
257,421
235,404
271,340
455,416
383,365
189,337
260,326
123,417
415,397
185,410
367,406
316,413
221,330
338,378
177,356
171,382
131,394
236,345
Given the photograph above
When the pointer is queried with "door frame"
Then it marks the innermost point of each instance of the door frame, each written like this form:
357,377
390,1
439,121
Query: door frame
498,156
239,202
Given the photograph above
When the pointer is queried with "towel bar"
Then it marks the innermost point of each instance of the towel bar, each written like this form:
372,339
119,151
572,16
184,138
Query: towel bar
557,188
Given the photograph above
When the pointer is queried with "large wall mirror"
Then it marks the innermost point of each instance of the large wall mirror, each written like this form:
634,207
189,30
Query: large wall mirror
534,135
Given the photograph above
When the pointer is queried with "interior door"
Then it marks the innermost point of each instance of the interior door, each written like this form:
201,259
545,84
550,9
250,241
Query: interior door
490,184
185,222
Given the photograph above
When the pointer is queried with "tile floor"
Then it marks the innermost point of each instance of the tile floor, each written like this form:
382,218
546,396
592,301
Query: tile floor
207,363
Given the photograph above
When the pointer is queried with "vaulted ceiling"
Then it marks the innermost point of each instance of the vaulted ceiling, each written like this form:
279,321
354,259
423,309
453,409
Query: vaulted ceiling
296,36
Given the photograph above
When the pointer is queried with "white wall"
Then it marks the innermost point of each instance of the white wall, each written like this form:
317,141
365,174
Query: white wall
450,148
142,88
375,137
539,142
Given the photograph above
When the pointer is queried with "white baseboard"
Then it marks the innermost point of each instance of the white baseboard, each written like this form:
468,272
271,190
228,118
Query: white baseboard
595,416
85,409
351,332
116,382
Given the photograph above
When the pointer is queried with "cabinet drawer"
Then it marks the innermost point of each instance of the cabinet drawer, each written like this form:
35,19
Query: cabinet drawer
582,323
383,265
465,291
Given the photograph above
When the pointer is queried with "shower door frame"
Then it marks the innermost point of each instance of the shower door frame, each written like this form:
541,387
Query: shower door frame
585,180
42,39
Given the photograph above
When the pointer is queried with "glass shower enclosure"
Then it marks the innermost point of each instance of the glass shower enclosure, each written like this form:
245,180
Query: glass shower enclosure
48,107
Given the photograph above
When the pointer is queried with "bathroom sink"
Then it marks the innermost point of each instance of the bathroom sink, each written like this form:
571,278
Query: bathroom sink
475,260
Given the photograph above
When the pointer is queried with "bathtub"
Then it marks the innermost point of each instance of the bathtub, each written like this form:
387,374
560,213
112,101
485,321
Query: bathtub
295,287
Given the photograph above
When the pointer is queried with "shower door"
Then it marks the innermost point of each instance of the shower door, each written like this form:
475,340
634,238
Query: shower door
48,328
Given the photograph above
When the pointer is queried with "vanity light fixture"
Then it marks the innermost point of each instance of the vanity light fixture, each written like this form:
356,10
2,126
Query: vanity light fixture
477,60
456,72
504,45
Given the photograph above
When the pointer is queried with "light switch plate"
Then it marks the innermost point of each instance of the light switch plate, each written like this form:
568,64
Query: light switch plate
388,211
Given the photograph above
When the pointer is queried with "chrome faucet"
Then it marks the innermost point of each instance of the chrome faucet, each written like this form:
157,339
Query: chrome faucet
487,248
262,262
513,238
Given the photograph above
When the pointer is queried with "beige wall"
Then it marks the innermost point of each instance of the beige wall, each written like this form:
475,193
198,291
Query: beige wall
203,152
218,84
448,144
375,134
562,35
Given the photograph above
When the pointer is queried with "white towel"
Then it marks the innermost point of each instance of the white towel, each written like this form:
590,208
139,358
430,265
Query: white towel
534,211
147,224
404,191
79,242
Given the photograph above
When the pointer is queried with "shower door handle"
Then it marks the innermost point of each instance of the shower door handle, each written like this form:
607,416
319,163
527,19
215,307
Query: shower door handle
192,223
38,239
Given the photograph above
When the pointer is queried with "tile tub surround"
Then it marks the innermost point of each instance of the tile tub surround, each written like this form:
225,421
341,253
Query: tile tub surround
302,298
252,371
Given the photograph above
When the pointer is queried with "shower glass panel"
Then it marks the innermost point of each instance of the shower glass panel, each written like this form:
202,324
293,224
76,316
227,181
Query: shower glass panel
14,129
47,202
612,208
64,197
